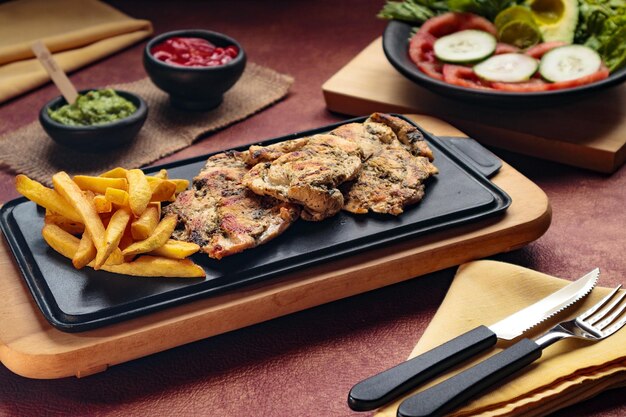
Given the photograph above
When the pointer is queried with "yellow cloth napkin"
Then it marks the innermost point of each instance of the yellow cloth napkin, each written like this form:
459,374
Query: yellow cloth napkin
78,32
569,371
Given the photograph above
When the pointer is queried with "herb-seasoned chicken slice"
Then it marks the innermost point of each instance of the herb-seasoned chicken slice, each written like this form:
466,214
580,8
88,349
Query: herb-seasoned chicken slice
370,137
259,153
393,173
408,134
309,176
389,181
222,216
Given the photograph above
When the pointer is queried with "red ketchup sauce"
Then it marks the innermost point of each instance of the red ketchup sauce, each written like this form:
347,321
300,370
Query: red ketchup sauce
193,52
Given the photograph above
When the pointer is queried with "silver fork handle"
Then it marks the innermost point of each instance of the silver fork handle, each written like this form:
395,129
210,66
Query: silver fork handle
553,335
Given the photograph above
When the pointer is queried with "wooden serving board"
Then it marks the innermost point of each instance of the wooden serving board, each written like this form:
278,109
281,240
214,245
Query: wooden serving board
31,347
590,133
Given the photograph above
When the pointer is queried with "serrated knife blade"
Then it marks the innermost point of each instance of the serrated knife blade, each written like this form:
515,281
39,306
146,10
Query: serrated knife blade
527,318
380,389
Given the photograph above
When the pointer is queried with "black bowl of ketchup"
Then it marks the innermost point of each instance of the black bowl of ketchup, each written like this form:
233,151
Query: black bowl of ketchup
195,67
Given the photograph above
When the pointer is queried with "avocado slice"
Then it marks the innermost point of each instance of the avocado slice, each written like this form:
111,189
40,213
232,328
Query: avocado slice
557,19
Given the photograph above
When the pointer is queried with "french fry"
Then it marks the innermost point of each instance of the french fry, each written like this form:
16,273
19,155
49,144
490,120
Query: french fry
147,266
116,196
67,245
162,190
162,174
115,230
60,240
143,227
85,253
181,185
139,191
161,234
102,204
89,194
156,204
45,197
114,173
153,266
176,249
70,226
64,185
100,184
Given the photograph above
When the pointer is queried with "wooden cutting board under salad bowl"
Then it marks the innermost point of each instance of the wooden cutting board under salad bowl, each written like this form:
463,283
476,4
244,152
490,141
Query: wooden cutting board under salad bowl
582,125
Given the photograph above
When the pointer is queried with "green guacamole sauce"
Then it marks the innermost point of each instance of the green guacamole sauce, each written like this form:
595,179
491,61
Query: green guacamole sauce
94,108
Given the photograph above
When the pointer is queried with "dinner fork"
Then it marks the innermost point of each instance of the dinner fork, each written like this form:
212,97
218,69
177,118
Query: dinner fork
597,323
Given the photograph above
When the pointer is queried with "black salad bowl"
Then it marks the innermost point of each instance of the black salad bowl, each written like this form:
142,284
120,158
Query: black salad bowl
96,137
194,88
396,46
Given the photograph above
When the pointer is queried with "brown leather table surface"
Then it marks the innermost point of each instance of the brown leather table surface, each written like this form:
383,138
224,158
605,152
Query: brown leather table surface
304,364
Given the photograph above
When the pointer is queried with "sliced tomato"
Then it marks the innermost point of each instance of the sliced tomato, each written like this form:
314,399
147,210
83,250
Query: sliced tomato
534,84
600,74
432,69
540,50
421,48
472,21
464,77
448,23
422,54
505,48
440,25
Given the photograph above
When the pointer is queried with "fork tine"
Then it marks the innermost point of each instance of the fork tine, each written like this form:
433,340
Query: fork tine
617,309
599,305
610,320
601,316
617,325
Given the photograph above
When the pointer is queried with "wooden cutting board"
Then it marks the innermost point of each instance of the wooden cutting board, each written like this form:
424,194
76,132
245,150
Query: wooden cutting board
590,133
31,347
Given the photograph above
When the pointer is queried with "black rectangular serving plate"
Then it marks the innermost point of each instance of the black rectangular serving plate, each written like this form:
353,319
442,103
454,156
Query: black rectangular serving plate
77,300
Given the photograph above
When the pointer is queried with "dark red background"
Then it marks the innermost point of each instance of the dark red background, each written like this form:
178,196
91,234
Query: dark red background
304,364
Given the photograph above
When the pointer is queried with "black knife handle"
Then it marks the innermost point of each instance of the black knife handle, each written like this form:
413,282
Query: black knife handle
447,395
380,389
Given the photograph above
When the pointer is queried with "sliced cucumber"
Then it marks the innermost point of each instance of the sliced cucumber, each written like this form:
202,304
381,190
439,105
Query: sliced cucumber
507,68
569,62
465,46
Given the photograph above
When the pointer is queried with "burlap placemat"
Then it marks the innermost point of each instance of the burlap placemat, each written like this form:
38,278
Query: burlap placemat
30,151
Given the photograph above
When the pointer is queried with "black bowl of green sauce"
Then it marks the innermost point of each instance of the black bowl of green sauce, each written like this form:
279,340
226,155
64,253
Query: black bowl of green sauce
97,120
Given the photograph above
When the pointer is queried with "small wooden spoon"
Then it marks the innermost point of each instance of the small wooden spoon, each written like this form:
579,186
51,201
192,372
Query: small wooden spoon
58,76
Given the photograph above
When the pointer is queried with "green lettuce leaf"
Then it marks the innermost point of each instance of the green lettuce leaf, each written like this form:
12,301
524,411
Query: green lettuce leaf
610,41
413,11
485,8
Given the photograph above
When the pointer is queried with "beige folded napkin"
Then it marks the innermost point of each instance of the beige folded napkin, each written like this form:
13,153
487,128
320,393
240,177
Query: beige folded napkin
78,32
568,372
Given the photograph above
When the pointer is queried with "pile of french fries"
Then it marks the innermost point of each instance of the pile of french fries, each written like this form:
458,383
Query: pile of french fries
113,222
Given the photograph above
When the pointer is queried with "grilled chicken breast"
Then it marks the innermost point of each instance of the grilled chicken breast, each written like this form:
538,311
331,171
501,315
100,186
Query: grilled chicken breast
407,134
222,216
259,153
308,175
389,181
370,137
396,164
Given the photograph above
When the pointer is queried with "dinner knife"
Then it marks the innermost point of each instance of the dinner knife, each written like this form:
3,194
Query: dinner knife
381,388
